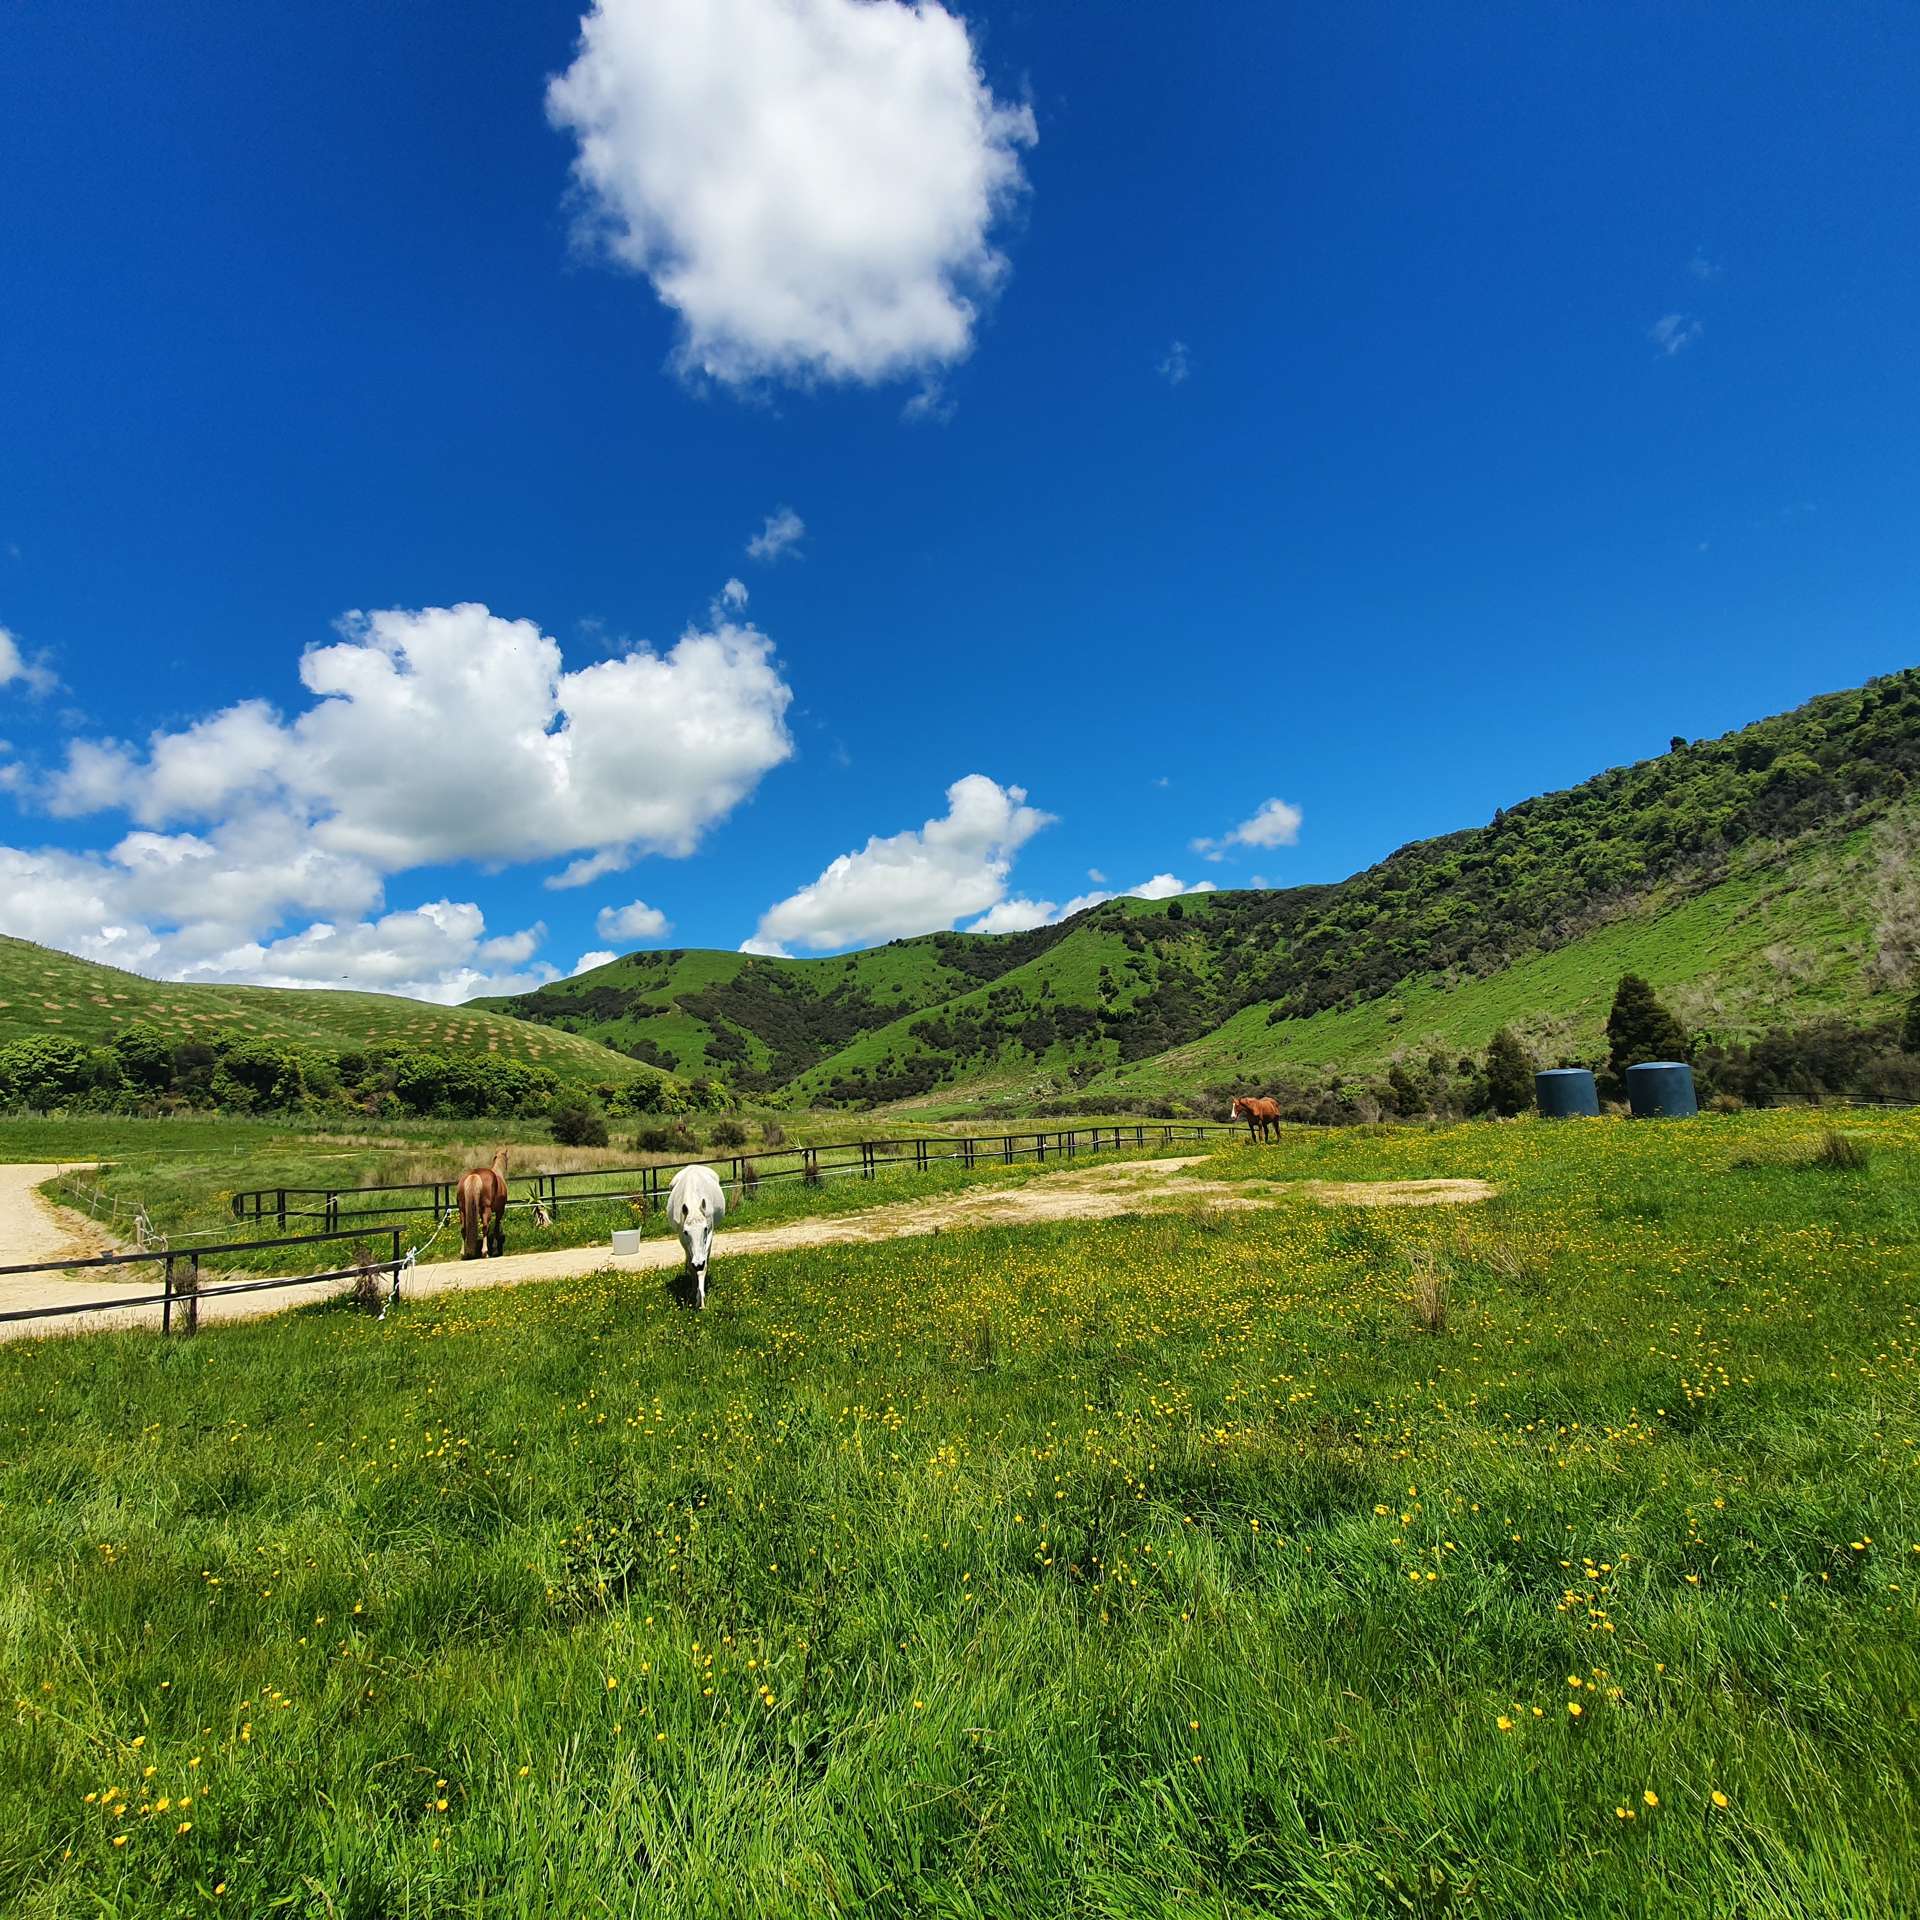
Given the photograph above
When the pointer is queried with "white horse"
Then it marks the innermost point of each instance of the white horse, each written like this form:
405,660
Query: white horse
696,1204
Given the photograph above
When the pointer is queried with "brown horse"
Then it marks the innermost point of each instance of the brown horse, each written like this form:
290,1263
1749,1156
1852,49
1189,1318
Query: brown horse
1261,1115
483,1210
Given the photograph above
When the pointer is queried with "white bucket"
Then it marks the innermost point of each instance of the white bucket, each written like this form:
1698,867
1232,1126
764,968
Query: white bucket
627,1240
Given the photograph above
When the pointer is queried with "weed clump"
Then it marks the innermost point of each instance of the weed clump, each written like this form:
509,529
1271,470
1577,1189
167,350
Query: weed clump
1840,1153
1431,1294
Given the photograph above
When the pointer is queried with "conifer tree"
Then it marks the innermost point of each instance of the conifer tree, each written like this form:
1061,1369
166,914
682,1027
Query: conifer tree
1640,1028
1509,1075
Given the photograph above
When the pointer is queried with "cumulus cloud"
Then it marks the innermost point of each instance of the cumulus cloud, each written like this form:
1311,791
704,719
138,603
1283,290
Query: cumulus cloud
784,529
1177,364
443,735
766,949
911,882
588,961
17,670
1022,916
1275,824
1674,332
811,186
635,921
122,907
452,733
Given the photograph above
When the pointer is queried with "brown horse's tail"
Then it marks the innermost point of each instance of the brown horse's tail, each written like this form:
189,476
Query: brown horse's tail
469,1199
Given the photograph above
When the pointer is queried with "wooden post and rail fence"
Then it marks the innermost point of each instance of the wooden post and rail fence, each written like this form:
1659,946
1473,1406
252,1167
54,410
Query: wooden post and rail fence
645,1185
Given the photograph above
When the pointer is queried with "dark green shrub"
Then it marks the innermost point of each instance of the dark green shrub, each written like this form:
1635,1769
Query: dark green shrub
1509,1075
728,1133
575,1124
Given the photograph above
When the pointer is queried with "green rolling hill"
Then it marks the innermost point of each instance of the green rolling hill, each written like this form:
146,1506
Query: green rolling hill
43,992
1737,874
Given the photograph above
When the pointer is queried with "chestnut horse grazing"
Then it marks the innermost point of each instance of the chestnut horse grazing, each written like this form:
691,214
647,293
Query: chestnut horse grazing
1261,1115
483,1210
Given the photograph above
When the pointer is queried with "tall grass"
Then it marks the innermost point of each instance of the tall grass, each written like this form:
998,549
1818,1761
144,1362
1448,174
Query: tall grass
1132,1568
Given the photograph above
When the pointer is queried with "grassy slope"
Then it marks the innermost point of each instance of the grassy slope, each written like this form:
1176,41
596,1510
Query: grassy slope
1777,945
637,999
1159,1567
45,992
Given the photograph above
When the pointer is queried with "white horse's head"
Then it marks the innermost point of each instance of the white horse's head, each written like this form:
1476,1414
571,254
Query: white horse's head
696,1238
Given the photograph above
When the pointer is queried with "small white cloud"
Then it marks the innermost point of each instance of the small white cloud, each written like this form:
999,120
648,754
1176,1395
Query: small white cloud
1022,916
1177,364
766,949
1674,332
784,529
1163,781
915,881
17,670
635,921
1098,878
514,949
588,961
811,186
931,405
1702,268
589,868
733,596
1275,824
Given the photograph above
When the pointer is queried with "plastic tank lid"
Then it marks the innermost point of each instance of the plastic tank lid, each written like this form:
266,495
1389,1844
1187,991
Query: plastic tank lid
1563,1073
1639,1065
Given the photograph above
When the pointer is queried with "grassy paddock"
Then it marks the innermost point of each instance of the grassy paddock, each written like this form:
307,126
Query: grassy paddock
1554,1556
185,1185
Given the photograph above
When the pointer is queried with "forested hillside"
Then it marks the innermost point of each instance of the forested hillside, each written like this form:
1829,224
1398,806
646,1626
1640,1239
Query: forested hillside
1755,874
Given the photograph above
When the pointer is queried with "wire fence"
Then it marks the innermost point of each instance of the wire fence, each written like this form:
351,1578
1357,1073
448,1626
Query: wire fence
645,1187
183,1283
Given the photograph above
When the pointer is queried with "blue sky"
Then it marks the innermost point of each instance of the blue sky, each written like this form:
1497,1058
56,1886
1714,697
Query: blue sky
1385,413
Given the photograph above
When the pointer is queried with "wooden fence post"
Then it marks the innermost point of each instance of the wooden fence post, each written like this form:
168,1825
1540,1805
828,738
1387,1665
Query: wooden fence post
166,1304
193,1295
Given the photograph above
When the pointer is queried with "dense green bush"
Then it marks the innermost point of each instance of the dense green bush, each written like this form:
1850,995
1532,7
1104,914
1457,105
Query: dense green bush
48,1071
575,1124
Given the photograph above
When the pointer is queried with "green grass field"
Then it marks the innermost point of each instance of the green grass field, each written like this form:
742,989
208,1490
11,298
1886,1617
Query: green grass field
1554,1556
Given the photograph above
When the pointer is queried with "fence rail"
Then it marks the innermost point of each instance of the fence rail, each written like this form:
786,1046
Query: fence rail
183,1282
646,1186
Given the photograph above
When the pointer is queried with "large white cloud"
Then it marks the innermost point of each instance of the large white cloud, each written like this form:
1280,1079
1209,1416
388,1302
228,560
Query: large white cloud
810,185
911,882
1022,916
454,734
438,736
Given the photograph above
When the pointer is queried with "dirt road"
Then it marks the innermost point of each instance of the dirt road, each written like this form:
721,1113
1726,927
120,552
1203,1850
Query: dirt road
1093,1193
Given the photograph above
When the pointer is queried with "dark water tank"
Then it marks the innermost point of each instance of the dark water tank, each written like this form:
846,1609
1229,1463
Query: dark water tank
1661,1090
1566,1093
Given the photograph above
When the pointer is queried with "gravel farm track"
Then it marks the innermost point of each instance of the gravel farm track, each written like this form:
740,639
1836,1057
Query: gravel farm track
34,1228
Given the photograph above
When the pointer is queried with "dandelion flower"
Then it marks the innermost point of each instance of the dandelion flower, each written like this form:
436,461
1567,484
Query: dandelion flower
1719,1798
1651,1798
